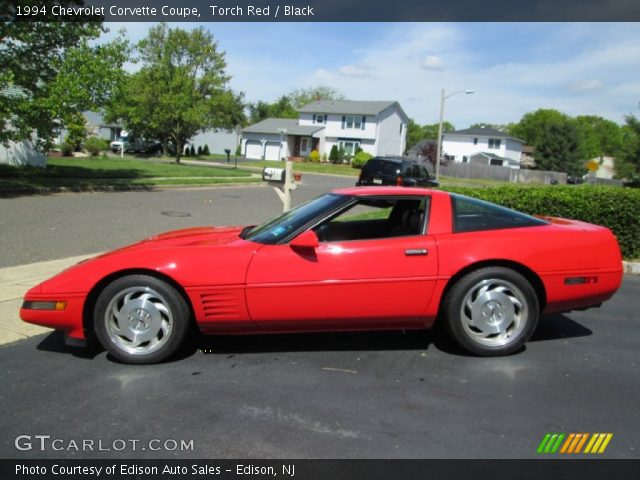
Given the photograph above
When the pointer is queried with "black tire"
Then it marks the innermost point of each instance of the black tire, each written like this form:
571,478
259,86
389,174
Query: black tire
491,311
140,319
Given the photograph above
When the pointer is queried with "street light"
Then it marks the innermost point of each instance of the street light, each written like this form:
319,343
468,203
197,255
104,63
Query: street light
443,97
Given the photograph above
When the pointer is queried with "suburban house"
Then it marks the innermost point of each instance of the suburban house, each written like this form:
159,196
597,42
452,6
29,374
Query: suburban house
24,152
606,167
378,128
96,126
482,145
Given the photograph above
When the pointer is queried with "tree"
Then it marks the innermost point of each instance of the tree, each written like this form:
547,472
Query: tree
303,96
182,88
282,108
532,125
429,151
557,149
50,72
417,133
598,136
628,164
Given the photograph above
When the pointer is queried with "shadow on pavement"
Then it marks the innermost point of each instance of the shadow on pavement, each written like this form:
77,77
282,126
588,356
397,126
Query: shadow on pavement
552,327
556,327
54,342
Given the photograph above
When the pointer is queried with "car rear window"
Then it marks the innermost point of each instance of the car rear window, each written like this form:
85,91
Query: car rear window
381,167
471,214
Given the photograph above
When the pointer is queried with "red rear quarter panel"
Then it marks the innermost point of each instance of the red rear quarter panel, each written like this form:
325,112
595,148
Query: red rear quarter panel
554,252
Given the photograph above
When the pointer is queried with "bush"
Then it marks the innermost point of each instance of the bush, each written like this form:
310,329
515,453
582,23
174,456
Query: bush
95,145
613,207
67,149
200,150
192,152
205,150
239,150
314,156
333,154
360,158
324,157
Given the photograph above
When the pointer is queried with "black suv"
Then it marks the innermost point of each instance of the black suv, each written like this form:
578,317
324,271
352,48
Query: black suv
395,171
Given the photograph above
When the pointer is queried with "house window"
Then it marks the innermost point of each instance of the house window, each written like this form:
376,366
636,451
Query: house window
465,159
475,141
349,146
321,118
353,121
401,127
494,143
496,162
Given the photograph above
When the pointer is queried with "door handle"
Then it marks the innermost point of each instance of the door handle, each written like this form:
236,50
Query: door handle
414,252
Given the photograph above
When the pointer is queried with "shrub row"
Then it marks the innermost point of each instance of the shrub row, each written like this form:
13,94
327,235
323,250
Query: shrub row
615,208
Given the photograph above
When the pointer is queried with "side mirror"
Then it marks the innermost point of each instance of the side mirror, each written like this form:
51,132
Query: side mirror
307,239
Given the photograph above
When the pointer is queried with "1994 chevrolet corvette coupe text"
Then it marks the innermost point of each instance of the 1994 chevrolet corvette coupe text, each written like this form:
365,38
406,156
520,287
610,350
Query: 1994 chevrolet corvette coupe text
369,258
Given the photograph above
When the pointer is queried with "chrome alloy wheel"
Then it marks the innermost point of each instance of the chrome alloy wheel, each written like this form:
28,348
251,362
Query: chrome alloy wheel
494,312
138,320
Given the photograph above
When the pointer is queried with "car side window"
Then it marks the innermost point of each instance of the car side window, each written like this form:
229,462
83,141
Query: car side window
471,214
376,219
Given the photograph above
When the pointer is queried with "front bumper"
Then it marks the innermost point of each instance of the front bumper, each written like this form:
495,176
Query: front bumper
68,320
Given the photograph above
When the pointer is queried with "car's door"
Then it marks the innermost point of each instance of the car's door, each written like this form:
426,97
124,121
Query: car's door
380,277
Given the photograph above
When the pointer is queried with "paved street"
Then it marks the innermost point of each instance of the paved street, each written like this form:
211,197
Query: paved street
46,227
370,395
365,395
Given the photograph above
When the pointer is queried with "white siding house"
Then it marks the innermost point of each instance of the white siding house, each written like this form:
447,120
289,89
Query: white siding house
484,145
378,128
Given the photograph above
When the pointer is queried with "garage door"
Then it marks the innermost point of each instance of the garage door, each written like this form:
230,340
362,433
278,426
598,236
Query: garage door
253,149
272,151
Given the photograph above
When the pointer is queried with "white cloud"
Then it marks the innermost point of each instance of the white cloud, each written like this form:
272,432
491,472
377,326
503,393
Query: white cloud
431,62
353,71
583,86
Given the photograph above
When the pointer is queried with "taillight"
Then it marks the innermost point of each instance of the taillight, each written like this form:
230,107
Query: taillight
399,181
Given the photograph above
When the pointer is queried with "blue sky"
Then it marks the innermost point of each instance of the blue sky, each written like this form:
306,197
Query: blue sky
578,68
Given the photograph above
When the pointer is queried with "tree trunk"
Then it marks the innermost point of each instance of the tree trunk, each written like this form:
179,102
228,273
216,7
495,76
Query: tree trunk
179,148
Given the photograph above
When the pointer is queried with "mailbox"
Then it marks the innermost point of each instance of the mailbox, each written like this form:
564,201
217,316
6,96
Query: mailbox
271,174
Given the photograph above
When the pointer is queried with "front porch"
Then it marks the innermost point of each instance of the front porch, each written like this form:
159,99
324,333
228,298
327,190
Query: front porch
300,147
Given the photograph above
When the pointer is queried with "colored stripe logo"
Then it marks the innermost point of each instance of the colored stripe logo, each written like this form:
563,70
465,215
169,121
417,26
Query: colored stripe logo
573,443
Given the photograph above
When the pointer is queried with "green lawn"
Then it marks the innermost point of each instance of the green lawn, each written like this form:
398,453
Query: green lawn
327,168
82,174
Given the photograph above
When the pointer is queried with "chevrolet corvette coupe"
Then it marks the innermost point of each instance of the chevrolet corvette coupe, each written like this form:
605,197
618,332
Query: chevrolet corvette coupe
369,258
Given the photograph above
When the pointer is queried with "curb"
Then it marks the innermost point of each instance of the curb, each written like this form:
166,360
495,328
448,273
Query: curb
632,268
14,282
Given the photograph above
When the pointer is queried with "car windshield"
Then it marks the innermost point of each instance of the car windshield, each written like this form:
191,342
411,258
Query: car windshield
273,231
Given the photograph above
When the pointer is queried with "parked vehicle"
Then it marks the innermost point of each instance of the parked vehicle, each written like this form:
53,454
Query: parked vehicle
370,258
395,171
134,144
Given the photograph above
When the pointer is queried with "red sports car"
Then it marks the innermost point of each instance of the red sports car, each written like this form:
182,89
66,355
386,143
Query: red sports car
353,259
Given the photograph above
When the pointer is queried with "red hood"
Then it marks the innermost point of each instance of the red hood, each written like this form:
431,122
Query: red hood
187,237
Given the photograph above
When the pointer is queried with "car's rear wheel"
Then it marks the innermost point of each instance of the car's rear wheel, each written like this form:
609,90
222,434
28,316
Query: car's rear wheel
141,319
491,311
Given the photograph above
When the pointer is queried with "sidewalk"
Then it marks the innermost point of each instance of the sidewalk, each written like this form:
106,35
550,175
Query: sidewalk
14,282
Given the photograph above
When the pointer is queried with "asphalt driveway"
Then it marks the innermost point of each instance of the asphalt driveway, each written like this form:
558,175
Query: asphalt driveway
368,395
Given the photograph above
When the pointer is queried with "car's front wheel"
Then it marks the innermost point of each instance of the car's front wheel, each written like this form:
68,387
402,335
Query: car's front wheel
491,311
141,319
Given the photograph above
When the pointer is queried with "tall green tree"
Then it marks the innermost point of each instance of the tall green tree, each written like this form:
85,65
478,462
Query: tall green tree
557,148
627,165
181,88
598,136
50,71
